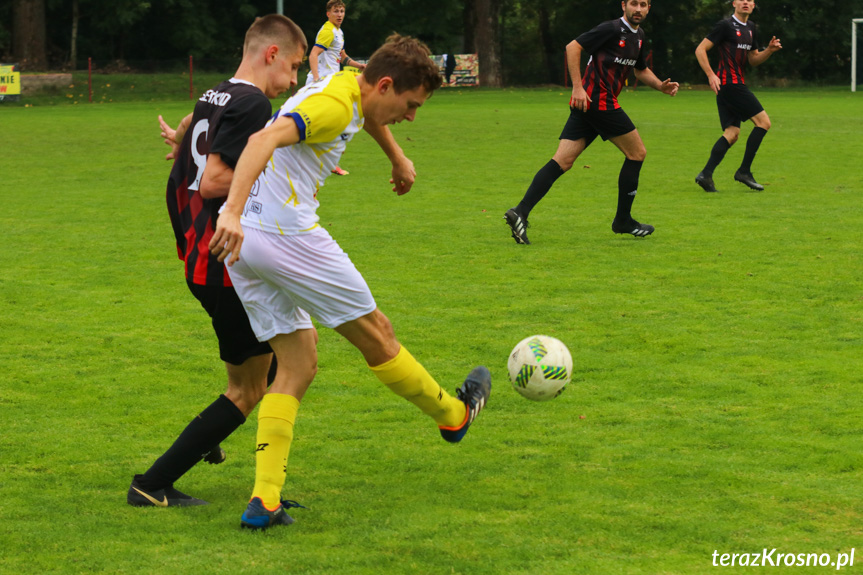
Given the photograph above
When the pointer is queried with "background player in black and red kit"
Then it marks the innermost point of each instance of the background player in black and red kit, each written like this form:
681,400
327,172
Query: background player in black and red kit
215,135
736,40
615,47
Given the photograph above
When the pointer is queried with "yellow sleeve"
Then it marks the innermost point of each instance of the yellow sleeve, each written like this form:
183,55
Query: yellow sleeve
325,36
325,117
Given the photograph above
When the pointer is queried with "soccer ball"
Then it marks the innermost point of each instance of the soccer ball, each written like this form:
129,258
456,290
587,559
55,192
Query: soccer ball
539,367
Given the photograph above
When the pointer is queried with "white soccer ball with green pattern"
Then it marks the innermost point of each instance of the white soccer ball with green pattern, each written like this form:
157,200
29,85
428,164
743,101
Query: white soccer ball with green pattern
539,367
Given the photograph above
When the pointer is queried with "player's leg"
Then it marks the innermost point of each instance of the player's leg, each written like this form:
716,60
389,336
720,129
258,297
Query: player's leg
744,173
395,367
730,123
633,148
247,362
296,354
575,137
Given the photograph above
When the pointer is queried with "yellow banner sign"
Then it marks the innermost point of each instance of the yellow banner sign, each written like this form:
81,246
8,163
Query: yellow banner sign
10,82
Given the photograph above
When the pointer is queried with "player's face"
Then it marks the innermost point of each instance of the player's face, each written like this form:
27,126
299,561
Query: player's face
743,7
635,11
336,16
392,108
285,72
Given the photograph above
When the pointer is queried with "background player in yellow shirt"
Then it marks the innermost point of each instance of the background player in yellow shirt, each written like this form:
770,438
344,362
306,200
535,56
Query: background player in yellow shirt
290,268
328,51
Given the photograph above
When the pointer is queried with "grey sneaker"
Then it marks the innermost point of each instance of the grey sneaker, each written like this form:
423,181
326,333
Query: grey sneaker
706,182
748,180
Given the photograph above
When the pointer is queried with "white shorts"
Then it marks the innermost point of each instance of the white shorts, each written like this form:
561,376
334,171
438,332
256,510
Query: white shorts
283,279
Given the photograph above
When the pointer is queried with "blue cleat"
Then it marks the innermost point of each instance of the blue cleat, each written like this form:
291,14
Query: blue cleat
258,518
474,392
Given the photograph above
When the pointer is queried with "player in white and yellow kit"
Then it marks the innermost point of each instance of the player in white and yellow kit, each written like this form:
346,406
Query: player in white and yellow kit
329,52
291,268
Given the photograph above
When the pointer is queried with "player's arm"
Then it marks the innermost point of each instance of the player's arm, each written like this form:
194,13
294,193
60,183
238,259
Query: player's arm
579,100
228,237
313,61
216,179
704,62
348,61
646,76
404,173
758,57
174,137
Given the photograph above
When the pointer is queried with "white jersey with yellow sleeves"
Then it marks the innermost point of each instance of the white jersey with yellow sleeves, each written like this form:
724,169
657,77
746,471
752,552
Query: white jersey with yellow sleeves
332,41
284,199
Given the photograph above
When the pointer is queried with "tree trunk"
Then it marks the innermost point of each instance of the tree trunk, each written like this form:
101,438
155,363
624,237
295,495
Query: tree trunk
488,42
28,34
73,48
548,49
469,27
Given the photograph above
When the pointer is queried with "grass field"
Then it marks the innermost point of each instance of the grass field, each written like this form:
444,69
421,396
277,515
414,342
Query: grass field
716,403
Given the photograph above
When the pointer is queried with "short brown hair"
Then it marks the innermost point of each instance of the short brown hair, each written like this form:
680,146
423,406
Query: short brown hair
334,4
274,29
407,61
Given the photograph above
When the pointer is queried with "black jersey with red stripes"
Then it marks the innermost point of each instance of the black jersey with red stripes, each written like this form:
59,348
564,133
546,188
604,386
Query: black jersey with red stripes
615,48
222,122
734,39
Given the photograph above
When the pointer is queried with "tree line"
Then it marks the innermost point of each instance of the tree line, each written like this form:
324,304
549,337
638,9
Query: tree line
519,42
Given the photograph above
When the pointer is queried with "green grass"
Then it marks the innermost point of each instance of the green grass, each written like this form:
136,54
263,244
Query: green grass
717,393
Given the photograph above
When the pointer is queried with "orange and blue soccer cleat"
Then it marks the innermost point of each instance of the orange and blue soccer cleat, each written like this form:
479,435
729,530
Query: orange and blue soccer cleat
474,392
258,518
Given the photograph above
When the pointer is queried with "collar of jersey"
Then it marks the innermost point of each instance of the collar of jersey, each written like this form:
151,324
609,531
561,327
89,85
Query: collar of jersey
238,81
737,20
631,29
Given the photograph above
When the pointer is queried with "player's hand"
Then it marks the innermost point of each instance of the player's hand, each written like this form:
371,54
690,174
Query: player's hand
228,238
715,83
669,87
404,176
579,99
775,45
168,134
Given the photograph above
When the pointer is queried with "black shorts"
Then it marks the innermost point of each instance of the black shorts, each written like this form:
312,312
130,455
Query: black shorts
237,341
736,104
588,125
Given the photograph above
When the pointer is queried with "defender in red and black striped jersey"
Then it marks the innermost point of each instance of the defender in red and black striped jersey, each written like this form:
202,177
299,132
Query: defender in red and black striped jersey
736,40
221,124
615,47
205,149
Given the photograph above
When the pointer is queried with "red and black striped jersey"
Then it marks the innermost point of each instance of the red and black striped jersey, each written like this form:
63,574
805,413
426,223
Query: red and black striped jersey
615,48
734,39
222,122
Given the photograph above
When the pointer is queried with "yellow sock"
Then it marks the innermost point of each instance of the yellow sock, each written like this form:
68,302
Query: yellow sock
407,378
276,417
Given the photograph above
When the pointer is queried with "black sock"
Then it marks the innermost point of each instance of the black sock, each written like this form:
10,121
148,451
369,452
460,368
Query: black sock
627,186
752,144
206,431
716,154
541,184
